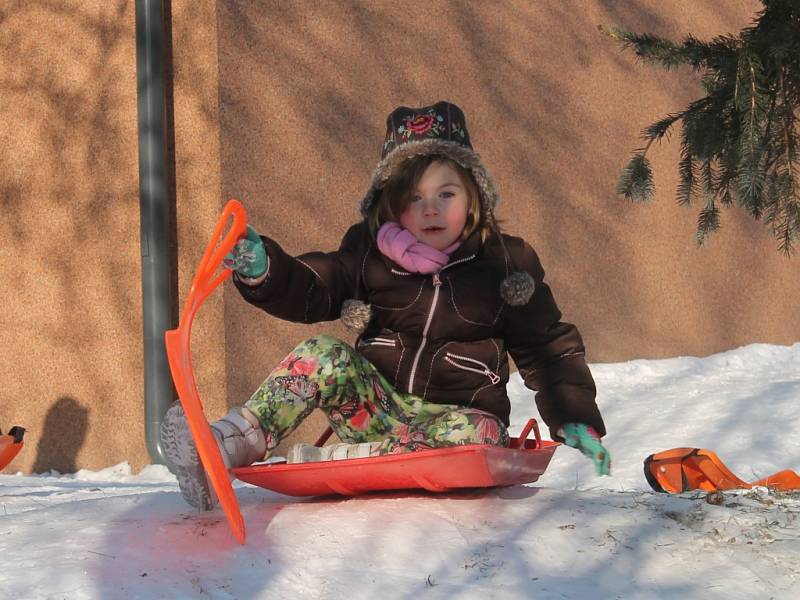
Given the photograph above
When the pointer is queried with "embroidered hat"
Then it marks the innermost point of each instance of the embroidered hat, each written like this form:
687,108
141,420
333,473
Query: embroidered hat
438,129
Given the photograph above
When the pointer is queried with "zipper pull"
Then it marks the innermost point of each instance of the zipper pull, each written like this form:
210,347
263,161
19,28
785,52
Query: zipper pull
493,377
436,281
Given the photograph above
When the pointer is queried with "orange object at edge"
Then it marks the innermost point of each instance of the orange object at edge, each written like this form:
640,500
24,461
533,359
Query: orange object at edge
10,445
177,342
685,469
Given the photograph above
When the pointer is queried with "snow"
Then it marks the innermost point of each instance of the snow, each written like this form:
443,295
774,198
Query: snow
114,534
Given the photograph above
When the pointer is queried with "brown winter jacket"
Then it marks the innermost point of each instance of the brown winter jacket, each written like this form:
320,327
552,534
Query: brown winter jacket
443,337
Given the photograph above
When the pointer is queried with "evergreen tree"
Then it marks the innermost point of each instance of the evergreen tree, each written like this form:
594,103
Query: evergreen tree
739,143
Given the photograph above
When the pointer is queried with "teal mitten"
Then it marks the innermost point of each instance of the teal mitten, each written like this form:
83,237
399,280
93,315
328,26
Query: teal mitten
248,257
585,438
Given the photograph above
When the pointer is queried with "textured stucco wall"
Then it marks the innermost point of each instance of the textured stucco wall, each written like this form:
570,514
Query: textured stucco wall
282,105
70,325
554,108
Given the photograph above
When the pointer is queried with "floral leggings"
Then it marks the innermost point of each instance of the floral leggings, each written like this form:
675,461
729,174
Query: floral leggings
361,405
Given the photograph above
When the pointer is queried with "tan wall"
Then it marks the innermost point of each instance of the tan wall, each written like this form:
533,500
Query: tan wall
282,105
70,324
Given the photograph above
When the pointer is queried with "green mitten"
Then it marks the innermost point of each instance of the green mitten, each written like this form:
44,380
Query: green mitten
248,257
586,439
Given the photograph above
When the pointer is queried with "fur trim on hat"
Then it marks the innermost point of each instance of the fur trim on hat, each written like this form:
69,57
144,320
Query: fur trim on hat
462,155
356,315
517,288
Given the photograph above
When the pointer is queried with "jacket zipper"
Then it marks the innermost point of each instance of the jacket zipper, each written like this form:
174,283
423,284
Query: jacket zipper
437,283
493,377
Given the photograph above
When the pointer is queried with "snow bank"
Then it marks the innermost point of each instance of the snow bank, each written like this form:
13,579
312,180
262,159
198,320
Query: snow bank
114,534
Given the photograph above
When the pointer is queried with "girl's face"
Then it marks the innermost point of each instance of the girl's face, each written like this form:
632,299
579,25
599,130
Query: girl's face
437,212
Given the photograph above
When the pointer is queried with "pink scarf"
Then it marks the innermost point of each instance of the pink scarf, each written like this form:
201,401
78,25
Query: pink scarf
402,247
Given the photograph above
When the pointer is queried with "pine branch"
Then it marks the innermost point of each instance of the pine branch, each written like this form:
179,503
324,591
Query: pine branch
740,142
660,129
707,178
751,182
701,127
708,221
648,47
666,53
636,182
790,225
726,178
687,185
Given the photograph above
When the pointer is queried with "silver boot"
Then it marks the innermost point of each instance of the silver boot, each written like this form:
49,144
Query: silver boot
239,437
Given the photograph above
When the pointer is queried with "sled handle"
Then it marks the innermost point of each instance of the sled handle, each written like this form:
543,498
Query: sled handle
179,357
531,424
204,281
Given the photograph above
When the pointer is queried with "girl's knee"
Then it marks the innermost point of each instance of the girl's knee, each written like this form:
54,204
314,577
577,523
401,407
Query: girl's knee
489,429
309,356
479,427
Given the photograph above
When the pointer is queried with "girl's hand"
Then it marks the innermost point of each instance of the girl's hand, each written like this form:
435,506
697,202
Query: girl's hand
586,439
248,257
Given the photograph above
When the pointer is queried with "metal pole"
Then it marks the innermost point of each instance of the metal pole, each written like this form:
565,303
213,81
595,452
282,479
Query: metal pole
157,300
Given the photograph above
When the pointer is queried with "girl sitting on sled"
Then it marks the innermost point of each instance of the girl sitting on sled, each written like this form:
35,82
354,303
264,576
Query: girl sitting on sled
438,297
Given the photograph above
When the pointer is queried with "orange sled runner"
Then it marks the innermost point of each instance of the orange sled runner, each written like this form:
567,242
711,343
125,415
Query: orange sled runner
686,469
436,470
10,445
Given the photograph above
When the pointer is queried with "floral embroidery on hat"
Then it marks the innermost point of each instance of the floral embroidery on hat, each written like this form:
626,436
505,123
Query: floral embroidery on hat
388,142
429,124
458,129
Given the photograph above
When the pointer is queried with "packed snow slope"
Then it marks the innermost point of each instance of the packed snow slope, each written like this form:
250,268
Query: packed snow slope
112,534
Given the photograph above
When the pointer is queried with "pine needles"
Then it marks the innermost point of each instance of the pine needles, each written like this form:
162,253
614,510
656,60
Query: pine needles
739,143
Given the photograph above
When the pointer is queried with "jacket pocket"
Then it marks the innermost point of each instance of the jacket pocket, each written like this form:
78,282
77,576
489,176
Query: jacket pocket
461,369
385,350
377,341
470,364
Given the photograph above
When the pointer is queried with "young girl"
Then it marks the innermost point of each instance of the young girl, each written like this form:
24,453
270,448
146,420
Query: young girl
438,297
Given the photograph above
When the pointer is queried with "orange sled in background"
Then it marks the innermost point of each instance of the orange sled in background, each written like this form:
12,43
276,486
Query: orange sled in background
10,445
685,469
438,470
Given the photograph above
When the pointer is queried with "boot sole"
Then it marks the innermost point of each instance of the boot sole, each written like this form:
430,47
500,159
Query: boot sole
180,449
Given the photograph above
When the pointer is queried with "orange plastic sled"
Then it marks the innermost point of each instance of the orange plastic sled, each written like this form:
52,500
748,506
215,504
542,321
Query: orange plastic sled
435,470
10,445
685,469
